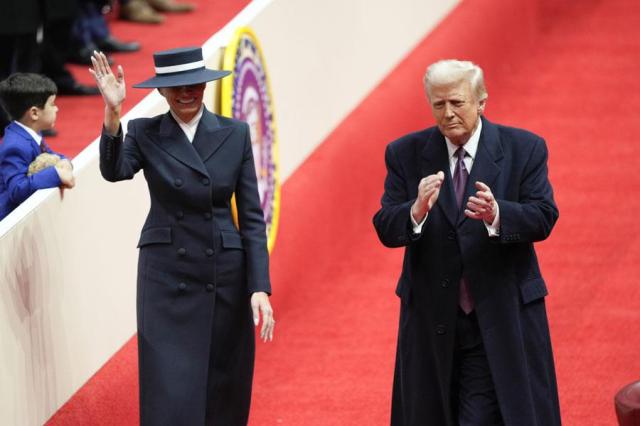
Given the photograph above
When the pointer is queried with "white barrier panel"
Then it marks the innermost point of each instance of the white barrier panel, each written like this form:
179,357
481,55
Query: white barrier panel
67,268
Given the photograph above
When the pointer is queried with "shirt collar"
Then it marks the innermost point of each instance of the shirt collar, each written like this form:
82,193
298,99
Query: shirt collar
36,137
471,147
194,121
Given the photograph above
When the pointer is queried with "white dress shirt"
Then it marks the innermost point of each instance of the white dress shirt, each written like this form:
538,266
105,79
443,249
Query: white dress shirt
189,128
471,148
35,135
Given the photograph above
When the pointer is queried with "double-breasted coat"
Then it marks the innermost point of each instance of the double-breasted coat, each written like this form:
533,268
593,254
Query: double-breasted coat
196,270
502,272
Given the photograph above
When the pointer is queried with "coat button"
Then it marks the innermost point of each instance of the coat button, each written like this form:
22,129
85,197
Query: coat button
444,283
182,251
441,329
209,252
180,214
205,181
451,235
209,288
178,182
182,286
207,215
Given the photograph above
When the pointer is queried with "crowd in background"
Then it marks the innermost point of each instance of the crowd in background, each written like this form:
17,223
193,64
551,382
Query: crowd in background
42,36
37,40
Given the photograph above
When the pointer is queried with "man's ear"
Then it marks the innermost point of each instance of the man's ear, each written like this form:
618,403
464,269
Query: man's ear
481,105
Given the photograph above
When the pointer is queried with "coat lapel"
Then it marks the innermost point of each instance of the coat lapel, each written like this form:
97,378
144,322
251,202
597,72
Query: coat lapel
435,158
486,165
173,140
210,135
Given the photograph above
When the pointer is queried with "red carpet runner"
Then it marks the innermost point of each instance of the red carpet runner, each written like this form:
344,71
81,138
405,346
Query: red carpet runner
571,77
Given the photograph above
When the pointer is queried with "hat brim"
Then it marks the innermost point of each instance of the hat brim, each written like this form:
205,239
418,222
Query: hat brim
185,78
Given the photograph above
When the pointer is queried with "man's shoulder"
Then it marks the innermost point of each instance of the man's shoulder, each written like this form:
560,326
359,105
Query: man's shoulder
410,140
515,134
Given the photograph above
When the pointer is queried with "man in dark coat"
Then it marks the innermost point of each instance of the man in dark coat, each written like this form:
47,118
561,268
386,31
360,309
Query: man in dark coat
467,199
202,281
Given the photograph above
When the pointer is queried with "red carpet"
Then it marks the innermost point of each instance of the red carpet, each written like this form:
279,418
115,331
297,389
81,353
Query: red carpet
571,76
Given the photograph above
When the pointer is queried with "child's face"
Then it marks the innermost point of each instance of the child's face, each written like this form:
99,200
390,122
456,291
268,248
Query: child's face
47,115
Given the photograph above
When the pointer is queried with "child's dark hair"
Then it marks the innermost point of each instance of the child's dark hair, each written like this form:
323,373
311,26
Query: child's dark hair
21,91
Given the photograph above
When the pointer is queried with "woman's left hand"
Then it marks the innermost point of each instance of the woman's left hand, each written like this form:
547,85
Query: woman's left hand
260,303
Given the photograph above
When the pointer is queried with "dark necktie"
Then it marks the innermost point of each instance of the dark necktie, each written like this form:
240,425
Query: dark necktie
43,146
460,177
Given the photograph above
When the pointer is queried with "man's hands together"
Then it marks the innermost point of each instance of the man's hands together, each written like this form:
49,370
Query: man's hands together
482,206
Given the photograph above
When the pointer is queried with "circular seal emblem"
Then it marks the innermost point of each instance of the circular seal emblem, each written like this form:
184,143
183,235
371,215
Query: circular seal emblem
246,96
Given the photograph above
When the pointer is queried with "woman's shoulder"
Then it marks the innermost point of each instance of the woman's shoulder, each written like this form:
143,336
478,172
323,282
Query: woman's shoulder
229,122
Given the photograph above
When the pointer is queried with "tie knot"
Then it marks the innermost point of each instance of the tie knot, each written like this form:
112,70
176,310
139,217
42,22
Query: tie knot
461,153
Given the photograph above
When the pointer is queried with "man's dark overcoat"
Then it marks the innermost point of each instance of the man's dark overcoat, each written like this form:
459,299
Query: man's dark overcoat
502,273
196,271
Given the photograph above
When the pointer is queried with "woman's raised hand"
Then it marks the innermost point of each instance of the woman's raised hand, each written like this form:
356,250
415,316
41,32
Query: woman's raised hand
111,86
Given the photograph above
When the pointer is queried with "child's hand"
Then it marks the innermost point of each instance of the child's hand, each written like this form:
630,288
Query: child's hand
66,175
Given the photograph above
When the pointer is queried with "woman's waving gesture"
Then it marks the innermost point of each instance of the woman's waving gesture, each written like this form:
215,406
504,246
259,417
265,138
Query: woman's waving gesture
113,90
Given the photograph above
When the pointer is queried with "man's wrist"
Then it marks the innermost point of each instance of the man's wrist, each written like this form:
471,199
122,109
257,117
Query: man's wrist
417,216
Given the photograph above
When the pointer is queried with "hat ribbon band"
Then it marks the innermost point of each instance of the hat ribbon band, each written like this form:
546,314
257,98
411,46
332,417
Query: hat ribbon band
177,68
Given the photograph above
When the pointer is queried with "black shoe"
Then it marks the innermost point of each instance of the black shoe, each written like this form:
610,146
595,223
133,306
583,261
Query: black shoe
112,44
77,89
83,56
49,133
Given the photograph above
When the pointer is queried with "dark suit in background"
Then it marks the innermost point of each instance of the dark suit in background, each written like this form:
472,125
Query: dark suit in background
196,270
502,273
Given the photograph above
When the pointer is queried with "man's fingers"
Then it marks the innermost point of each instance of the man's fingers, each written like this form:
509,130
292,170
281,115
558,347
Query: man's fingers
482,187
472,214
480,201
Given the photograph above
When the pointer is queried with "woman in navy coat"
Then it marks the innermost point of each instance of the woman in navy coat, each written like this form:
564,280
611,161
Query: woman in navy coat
202,282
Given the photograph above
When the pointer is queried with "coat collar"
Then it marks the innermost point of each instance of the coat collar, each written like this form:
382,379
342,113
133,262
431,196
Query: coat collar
209,137
486,167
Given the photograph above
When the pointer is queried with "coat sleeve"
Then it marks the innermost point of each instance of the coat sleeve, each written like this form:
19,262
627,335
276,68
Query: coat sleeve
392,221
533,216
251,222
15,164
120,160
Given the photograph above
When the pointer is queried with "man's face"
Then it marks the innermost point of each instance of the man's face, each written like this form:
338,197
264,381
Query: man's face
184,101
456,110
46,116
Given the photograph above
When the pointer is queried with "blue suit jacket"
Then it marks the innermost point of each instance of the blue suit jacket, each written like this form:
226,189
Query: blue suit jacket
17,151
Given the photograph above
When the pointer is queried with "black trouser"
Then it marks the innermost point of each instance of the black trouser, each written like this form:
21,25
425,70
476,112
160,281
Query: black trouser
474,398
18,53
55,49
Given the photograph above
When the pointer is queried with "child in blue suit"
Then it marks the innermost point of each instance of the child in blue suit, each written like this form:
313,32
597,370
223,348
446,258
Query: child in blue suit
30,101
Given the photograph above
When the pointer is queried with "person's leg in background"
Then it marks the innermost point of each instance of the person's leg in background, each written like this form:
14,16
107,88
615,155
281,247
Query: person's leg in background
54,52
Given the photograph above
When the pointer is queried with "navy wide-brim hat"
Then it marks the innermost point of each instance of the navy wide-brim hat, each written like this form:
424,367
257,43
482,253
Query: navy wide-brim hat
180,67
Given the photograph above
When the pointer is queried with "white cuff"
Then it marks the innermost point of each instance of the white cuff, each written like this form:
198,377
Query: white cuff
417,227
494,228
